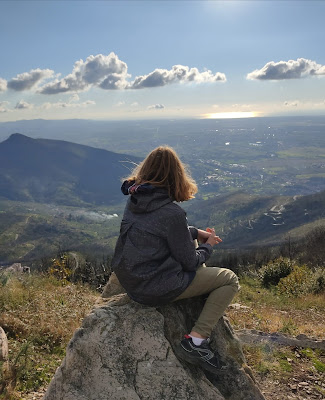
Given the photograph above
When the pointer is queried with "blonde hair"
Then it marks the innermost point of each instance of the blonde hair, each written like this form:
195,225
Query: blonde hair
163,168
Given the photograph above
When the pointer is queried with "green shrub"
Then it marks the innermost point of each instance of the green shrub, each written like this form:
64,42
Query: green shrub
271,273
319,366
288,327
61,268
318,285
302,281
297,283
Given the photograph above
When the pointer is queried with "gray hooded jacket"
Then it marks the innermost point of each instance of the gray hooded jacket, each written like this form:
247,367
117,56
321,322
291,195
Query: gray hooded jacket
155,259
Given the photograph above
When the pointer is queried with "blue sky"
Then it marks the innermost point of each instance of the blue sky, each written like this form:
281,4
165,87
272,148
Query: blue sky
161,59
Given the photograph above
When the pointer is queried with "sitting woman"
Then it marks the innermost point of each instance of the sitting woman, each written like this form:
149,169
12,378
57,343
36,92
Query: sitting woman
155,259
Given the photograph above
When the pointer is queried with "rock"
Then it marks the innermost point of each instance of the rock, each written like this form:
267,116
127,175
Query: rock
112,287
17,268
3,346
237,306
251,336
126,351
4,362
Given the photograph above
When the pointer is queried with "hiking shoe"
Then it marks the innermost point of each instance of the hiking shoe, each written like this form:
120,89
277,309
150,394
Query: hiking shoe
201,355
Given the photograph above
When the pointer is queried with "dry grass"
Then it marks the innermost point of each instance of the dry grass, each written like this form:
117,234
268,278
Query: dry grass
270,312
282,372
39,316
287,372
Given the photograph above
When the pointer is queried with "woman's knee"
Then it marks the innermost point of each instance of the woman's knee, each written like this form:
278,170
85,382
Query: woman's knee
233,280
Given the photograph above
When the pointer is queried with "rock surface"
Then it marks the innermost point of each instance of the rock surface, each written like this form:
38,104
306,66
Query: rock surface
251,336
126,351
4,363
3,346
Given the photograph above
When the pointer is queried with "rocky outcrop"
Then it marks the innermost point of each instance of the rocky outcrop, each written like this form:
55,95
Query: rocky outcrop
3,346
252,336
4,363
17,268
126,351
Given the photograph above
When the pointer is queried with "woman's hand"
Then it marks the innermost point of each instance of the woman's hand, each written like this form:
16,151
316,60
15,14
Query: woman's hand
213,239
202,236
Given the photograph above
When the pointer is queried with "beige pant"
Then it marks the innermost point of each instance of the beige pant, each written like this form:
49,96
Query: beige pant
221,284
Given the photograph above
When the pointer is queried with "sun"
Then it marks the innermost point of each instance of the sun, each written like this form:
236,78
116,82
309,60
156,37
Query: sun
231,114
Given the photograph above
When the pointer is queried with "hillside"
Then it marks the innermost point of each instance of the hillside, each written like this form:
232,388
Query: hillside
60,172
250,220
29,231
60,195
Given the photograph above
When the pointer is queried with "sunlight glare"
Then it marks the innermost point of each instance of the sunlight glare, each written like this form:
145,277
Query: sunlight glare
224,115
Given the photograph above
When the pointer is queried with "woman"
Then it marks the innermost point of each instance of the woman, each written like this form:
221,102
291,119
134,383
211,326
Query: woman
155,259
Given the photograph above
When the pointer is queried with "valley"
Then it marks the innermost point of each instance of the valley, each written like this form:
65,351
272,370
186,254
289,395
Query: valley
261,180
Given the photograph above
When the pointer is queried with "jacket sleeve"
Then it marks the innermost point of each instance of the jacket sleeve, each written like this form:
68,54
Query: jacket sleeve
182,247
193,231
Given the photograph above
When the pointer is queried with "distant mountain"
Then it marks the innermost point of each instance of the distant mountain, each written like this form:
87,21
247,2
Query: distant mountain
55,171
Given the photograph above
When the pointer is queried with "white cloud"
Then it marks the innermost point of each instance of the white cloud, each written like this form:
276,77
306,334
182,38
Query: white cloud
106,72
23,105
292,69
28,80
3,85
178,73
120,104
291,103
243,106
156,107
62,104
3,106
110,73
134,104
74,98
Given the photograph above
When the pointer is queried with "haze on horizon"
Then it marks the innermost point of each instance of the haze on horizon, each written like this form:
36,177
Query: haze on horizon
156,59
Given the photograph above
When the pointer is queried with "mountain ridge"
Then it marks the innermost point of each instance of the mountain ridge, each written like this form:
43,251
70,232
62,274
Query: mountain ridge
60,172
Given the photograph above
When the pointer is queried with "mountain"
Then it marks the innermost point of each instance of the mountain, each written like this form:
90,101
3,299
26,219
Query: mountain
244,220
60,172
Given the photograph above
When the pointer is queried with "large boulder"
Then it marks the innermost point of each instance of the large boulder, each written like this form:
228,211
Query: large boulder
3,346
126,351
4,362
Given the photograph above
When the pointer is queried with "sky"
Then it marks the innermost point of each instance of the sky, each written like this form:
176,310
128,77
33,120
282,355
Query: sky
117,60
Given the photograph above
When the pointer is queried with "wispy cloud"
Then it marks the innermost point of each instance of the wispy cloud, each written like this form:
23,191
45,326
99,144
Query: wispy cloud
156,107
3,85
62,104
74,98
23,105
28,80
3,107
292,69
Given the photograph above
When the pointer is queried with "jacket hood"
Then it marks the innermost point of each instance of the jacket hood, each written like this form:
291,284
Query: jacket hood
144,198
